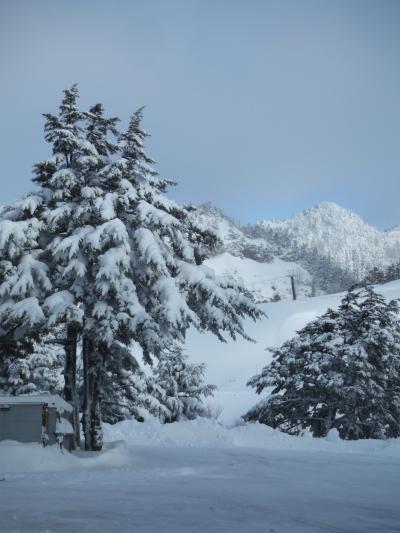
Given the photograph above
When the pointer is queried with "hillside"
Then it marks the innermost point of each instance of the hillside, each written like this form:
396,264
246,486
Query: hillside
231,364
266,281
232,234
330,247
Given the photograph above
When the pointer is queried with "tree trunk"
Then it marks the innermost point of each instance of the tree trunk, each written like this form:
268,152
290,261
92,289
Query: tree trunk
70,389
96,431
93,363
87,390
329,421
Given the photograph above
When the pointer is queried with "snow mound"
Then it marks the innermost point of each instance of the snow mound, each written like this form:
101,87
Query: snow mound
208,433
32,457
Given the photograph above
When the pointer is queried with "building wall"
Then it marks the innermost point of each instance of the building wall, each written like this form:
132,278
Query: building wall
23,423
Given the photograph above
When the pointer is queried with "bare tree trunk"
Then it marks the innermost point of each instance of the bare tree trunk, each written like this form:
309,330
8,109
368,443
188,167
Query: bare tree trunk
70,389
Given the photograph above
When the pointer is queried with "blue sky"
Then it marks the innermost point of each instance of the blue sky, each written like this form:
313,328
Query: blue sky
262,107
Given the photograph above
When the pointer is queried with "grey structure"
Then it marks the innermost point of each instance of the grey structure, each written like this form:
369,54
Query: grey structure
21,419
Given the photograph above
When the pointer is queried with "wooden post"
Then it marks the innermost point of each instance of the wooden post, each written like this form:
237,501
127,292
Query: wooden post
293,287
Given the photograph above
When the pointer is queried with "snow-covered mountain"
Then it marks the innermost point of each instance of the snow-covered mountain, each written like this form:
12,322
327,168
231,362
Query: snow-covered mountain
233,235
336,233
326,248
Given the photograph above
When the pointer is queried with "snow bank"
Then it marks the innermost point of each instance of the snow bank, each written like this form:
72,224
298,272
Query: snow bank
209,433
32,457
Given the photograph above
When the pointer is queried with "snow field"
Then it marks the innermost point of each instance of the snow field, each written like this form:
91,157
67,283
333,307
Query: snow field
198,477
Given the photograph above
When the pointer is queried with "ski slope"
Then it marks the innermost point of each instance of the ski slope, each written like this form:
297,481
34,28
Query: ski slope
231,364
263,280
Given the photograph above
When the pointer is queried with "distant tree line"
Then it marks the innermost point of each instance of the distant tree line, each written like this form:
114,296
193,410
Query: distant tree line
382,275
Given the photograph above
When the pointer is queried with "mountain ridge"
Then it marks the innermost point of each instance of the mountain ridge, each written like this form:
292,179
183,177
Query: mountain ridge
332,243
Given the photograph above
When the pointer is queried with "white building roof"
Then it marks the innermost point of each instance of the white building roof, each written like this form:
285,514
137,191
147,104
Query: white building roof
53,400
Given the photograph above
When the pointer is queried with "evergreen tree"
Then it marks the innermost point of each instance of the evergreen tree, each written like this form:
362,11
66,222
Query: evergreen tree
24,283
24,280
181,388
383,275
37,372
127,391
371,351
62,179
376,275
340,371
119,261
393,272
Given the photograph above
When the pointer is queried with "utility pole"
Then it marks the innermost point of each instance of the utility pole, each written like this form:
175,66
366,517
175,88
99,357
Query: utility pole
293,287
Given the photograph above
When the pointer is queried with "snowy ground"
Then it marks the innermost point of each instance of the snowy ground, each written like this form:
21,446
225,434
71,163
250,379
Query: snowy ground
205,476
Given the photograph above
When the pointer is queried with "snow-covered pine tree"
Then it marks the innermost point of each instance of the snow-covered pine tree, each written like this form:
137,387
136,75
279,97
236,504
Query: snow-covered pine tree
392,272
127,391
383,275
371,351
326,276
38,372
376,275
181,388
305,376
85,243
98,129
169,290
23,276
341,371
62,179
125,260
24,281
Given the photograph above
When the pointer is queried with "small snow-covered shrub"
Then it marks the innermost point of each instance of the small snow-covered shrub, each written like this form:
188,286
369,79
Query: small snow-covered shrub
181,388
